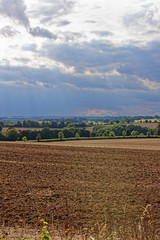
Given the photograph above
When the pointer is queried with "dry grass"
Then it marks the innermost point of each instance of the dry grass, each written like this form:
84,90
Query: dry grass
144,230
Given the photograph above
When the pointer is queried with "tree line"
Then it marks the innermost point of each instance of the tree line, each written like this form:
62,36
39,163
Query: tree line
42,124
99,130
46,133
123,130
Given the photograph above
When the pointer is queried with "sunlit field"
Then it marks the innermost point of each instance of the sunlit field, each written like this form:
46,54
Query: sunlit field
150,144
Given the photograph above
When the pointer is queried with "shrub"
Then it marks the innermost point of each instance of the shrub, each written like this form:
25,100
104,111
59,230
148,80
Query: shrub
111,134
24,139
134,133
38,138
77,136
12,134
2,137
60,135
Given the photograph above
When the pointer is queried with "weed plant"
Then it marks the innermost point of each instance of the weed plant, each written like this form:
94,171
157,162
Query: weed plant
144,230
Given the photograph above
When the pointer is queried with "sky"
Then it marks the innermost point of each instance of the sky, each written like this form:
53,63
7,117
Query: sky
79,58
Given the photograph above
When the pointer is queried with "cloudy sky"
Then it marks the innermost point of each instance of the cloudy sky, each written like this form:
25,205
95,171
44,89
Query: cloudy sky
78,57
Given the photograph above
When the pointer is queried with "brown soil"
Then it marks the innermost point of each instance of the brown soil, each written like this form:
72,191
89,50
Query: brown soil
77,185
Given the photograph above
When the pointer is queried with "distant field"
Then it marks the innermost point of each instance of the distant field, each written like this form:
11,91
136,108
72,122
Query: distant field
149,120
21,129
149,125
33,129
143,143
81,182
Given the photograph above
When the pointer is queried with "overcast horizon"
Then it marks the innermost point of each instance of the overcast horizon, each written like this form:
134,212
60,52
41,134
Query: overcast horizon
78,58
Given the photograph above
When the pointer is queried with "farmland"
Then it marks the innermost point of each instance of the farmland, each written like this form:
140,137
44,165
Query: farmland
79,183
21,129
149,125
141,144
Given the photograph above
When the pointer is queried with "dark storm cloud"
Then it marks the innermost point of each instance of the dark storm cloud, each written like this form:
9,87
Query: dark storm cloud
51,78
97,56
117,90
31,76
80,56
143,62
54,85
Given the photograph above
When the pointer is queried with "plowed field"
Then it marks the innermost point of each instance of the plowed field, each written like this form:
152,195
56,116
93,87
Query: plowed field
77,185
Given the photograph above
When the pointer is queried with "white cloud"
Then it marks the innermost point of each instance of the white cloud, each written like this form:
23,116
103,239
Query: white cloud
79,47
113,72
16,83
150,85
8,31
120,22
14,10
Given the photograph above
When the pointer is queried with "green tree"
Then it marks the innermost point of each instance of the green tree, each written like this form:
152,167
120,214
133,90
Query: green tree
24,139
24,123
69,132
127,132
61,124
1,127
141,135
77,136
2,137
124,133
149,134
43,124
128,119
12,134
84,133
111,134
134,133
158,129
45,133
106,133
38,138
18,124
60,135
54,124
